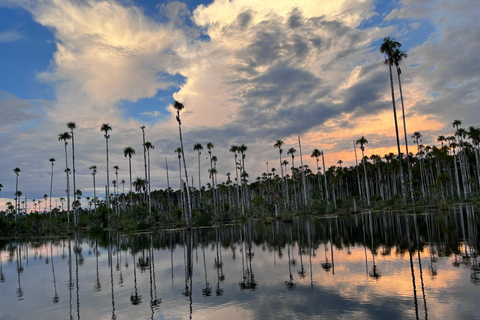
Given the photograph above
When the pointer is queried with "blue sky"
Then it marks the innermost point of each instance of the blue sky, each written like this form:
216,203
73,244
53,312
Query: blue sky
248,72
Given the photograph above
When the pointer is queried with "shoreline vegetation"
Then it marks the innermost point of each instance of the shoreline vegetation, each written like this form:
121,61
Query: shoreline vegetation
435,176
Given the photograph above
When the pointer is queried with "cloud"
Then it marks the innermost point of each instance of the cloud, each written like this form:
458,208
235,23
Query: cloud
254,72
16,111
10,35
153,113
106,53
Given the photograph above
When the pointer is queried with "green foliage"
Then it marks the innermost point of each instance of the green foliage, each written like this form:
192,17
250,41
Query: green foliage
202,217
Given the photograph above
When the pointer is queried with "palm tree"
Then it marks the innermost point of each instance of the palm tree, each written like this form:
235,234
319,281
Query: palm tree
115,188
198,147
178,151
123,192
291,152
210,146
417,138
17,172
148,146
52,160
128,152
179,106
474,134
65,137
105,128
461,155
398,56
362,142
453,145
94,172
242,148
278,144
234,149
358,173
387,48
315,154
325,178
18,195
71,126
144,154
140,185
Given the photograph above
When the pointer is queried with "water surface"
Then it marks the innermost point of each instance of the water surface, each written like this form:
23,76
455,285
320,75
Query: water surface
379,265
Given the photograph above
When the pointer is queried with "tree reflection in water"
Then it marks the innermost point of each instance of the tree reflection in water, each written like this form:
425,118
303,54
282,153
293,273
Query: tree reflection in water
450,237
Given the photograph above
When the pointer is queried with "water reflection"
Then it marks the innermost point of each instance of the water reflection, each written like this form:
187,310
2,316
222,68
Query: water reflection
374,265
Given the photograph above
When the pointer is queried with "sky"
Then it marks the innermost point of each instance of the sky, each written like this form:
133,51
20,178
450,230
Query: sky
248,72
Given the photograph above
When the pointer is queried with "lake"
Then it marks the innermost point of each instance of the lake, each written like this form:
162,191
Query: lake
419,264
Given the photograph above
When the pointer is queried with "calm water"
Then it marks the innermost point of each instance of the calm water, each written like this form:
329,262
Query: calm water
368,266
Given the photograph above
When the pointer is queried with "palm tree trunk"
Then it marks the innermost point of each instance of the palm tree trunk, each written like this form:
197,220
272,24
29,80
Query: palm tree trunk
459,194
281,169
325,178
244,182
236,172
366,178
406,140
74,185
148,185
189,204
477,151
68,185
396,132
145,164
199,178
94,195
358,173
51,187
168,185
130,171
108,182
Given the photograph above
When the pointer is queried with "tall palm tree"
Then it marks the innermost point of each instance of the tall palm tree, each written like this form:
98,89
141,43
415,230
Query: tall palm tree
115,190
179,107
178,151
105,128
417,138
278,144
461,156
94,172
72,126
17,172
210,146
128,152
303,169
362,142
291,152
474,134
325,177
242,148
148,146
198,147
453,145
52,160
144,154
358,173
387,48
315,154
234,149
65,137
398,57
